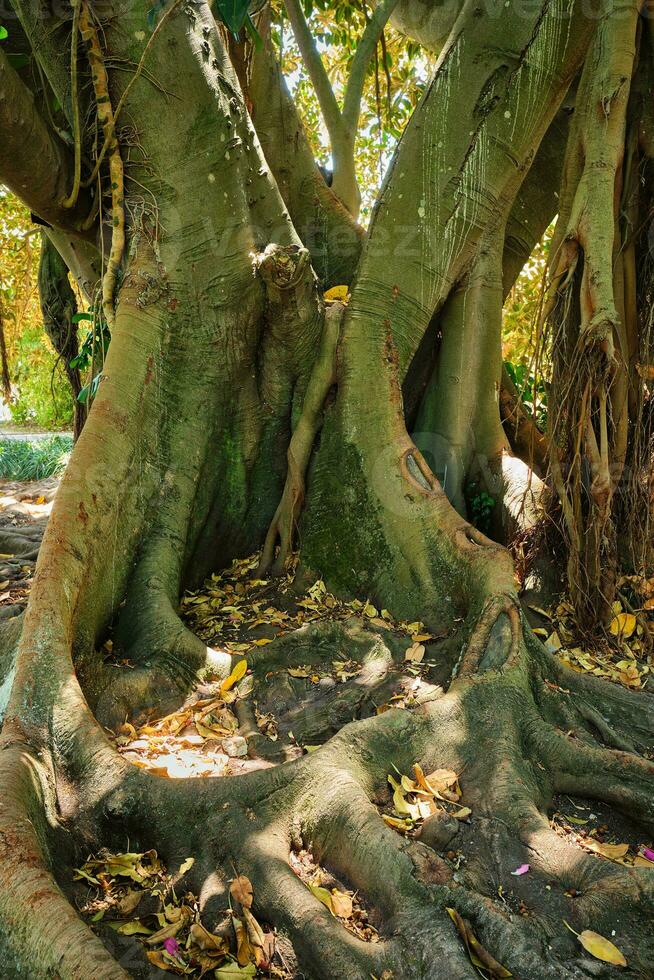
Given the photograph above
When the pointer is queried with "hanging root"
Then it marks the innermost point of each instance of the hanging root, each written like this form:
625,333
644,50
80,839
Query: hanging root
323,376
100,81
589,428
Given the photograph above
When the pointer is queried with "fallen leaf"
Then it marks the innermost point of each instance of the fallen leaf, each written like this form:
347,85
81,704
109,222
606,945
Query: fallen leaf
186,866
341,904
415,653
323,895
239,671
241,890
337,294
132,928
233,969
623,625
601,948
207,940
129,901
611,851
479,956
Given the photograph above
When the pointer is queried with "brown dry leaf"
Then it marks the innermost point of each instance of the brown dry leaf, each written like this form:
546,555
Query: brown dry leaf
168,932
255,932
128,902
610,851
207,940
159,959
341,904
601,948
241,890
244,952
479,956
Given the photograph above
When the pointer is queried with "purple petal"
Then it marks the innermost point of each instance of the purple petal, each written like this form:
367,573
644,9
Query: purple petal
648,853
522,870
171,946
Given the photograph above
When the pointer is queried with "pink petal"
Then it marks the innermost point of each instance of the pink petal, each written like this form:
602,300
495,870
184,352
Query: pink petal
648,853
522,870
171,946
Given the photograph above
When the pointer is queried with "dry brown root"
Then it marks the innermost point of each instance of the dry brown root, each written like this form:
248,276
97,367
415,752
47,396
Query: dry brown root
322,377
589,429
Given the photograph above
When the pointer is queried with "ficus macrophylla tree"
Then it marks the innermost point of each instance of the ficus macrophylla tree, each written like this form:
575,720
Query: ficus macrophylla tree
237,412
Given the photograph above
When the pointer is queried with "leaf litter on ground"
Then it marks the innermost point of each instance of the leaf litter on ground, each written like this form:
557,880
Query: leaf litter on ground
134,894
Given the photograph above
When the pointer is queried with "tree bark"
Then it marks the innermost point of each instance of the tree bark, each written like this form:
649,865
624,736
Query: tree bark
221,368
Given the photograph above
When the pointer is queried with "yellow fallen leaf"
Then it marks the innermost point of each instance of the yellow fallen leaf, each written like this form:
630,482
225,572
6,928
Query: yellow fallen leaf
298,671
239,671
402,825
601,948
133,928
463,813
623,625
337,294
186,866
610,851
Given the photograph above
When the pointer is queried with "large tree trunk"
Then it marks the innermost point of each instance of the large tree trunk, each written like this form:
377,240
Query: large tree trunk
221,370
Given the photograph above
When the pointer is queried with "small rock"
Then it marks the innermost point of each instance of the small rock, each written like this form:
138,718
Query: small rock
438,831
235,746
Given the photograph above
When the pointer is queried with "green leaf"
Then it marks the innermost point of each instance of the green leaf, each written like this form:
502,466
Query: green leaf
4,33
78,317
89,390
233,14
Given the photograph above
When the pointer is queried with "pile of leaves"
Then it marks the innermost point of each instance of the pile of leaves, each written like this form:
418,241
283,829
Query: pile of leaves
200,739
414,800
345,905
625,657
136,896
238,612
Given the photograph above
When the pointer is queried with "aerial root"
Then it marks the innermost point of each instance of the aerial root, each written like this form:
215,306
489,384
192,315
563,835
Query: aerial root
323,376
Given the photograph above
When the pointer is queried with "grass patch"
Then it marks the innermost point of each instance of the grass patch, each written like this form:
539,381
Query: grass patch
22,459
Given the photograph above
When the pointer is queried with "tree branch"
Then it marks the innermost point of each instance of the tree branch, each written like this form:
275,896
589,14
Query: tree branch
34,164
364,52
316,69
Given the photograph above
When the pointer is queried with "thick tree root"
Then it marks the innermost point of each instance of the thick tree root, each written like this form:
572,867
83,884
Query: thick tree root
499,727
